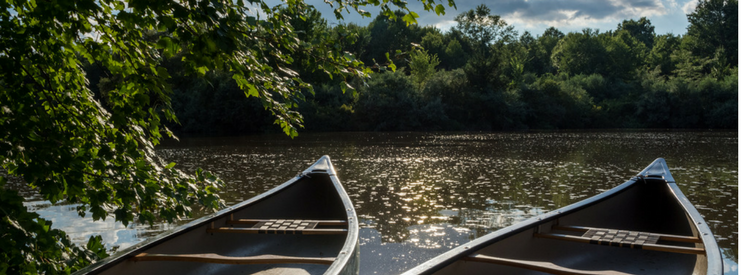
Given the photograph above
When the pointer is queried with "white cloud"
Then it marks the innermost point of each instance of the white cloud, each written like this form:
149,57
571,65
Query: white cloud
539,14
445,25
574,13
672,4
689,7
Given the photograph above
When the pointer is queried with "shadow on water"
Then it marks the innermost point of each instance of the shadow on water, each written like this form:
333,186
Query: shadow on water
420,194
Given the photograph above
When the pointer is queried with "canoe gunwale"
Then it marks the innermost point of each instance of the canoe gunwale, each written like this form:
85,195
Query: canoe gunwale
657,167
713,254
470,248
712,251
341,260
350,252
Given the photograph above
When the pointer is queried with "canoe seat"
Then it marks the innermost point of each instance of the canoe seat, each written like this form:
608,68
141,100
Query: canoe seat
219,259
625,238
546,267
282,226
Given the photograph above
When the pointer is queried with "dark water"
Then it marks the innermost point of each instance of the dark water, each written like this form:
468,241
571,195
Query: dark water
418,195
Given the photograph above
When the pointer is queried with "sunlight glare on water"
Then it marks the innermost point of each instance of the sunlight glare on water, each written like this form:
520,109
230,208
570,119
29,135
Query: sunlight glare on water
418,195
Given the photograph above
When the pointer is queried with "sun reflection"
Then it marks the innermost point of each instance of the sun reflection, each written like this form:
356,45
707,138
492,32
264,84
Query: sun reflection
464,185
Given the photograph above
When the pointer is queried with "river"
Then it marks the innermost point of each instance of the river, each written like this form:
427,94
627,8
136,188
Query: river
418,195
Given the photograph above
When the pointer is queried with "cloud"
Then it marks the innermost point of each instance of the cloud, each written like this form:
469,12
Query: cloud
532,14
559,13
672,4
689,7
573,12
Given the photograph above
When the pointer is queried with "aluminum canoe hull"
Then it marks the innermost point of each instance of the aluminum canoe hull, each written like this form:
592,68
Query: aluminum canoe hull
316,194
649,204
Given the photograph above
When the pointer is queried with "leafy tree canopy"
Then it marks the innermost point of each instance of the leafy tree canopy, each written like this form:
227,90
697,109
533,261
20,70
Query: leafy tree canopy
714,24
422,67
660,54
71,146
484,28
553,32
642,30
580,53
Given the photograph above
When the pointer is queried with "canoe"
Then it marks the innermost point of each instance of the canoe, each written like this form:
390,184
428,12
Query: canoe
306,225
643,226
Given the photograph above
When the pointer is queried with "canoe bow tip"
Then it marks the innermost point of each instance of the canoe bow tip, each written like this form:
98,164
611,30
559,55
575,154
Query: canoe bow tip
322,165
659,168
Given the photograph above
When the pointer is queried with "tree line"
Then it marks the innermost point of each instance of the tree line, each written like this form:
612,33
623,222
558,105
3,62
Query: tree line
483,74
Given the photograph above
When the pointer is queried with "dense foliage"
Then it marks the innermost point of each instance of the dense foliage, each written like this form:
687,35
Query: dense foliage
87,86
483,75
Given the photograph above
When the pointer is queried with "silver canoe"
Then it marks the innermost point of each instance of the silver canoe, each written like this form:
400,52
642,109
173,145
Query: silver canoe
306,225
643,226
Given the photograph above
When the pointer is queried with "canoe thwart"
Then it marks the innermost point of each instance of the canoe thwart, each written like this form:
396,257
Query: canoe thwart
623,238
663,237
538,266
315,231
219,259
282,226
256,221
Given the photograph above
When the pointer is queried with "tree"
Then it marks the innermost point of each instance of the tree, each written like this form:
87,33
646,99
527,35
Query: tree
609,54
641,30
363,39
714,24
310,28
660,54
389,103
456,56
537,59
690,66
487,34
553,32
580,53
483,28
387,36
434,42
422,67
518,56
71,146
392,38
625,54
541,51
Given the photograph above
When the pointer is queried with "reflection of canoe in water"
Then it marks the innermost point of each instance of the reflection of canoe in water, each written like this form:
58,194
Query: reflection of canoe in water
643,226
306,225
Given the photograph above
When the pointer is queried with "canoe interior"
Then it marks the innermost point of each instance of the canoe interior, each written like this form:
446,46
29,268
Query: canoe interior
646,207
309,198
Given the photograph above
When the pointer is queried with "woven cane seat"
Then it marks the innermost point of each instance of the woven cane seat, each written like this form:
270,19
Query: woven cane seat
622,238
282,226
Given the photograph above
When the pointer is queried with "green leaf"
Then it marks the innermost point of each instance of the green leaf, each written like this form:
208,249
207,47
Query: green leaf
251,91
95,244
343,86
164,42
439,9
119,5
202,70
410,18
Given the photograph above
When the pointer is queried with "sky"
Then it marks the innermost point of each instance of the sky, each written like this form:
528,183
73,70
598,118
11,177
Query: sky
534,16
